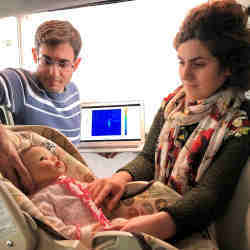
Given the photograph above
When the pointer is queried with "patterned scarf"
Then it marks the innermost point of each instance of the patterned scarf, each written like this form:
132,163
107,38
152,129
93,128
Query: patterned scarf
181,166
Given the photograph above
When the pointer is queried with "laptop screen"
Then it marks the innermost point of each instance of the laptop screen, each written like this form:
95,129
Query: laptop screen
114,121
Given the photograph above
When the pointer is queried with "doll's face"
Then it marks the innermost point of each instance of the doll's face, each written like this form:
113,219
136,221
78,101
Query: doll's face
42,164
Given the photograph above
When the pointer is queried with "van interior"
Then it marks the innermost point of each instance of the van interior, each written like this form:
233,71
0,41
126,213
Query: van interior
131,43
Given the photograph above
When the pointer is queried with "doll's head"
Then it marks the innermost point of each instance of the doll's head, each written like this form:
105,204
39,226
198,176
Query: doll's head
43,165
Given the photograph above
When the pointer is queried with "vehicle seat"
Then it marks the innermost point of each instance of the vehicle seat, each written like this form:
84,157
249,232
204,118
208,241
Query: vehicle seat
233,229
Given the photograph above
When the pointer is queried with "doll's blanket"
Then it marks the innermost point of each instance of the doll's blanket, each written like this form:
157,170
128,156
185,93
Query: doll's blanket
68,207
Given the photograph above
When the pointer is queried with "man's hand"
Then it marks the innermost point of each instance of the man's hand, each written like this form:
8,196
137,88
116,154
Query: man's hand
11,165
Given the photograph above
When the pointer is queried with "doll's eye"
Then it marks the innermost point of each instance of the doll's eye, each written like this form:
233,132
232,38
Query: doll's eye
42,158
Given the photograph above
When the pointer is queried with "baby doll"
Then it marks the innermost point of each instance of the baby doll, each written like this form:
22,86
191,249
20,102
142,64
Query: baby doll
63,200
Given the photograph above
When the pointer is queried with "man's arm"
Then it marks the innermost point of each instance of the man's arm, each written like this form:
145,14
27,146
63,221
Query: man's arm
11,165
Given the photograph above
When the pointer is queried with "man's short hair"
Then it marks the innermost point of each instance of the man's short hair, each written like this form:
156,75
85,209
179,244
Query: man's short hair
55,32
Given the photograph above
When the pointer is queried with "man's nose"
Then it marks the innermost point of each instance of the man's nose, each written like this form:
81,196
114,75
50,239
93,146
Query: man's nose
54,69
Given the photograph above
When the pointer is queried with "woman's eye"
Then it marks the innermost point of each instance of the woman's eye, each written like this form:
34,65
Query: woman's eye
199,64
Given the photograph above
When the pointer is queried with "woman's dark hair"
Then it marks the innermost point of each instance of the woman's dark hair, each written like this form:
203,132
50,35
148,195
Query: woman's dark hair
55,32
222,27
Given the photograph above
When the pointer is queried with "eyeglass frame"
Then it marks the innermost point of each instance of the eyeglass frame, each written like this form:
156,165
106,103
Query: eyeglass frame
47,62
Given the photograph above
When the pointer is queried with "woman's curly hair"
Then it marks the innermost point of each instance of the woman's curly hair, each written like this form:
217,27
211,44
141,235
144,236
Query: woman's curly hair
222,27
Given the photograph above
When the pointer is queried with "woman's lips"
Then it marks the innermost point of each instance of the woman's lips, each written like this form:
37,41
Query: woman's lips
191,85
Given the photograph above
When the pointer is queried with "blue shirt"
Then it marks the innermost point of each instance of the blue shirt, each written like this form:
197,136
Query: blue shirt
30,104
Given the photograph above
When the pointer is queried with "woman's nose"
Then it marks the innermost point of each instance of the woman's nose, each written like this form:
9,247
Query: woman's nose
187,72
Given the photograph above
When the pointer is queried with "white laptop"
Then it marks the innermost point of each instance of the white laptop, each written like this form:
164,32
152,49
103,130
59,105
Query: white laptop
112,126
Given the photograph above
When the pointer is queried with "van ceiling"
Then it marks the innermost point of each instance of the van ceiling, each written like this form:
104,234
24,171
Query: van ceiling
24,7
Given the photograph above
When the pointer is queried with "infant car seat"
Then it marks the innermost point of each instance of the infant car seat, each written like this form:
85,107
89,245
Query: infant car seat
22,226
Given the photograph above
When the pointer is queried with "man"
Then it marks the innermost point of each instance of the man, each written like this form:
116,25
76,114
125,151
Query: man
47,96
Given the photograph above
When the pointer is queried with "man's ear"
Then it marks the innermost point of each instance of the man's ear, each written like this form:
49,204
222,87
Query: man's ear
76,63
35,55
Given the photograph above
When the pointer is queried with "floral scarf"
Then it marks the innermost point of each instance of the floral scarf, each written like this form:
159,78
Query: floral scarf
181,164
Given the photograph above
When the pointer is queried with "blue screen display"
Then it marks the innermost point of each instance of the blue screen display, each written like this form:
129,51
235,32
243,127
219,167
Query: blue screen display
106,122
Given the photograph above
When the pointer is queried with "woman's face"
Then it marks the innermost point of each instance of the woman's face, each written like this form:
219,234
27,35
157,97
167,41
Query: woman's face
43,165
199,70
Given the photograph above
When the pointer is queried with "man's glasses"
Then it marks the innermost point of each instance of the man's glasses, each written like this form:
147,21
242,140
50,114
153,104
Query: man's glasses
63,65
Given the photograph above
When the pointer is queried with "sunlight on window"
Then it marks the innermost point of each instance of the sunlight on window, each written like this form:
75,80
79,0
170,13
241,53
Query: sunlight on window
9,43
127,49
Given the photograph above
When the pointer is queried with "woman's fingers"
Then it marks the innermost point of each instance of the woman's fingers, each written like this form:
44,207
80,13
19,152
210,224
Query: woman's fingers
96,188
103,193
114,200
108,191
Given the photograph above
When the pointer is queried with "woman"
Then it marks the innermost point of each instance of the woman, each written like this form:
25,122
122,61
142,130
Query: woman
199,140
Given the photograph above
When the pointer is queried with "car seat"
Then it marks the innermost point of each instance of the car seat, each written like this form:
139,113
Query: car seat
22,226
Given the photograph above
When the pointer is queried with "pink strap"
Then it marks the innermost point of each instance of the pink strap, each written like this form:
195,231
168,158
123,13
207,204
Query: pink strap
83,194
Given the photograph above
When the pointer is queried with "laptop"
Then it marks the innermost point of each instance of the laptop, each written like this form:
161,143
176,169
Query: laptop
112,126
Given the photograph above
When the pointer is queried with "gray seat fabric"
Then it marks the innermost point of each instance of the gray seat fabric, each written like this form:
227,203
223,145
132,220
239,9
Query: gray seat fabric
233,229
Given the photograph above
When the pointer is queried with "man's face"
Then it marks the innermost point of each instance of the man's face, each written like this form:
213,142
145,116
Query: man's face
56,65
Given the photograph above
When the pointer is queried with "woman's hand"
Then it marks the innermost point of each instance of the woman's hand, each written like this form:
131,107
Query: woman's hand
11,165
108,191
159,225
